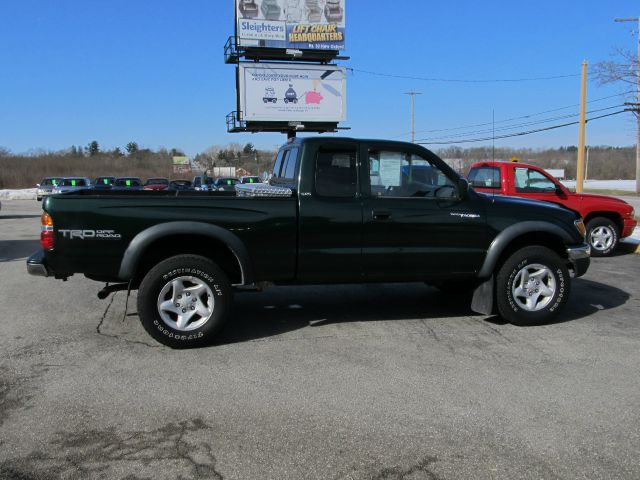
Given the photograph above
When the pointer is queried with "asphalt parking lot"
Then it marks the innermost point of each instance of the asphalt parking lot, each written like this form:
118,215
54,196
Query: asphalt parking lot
335,382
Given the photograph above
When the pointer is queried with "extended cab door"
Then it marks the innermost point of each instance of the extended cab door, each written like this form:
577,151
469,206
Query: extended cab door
330,216
416,226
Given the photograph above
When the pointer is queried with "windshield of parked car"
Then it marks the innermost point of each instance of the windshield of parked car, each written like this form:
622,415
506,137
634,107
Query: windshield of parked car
74,182
227,181
104,180
128,182
157,181
47,182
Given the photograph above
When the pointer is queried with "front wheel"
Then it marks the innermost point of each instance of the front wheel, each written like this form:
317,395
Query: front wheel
602,235
532,286
184,300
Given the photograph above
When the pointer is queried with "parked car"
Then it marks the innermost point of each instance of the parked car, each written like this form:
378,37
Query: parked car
46,186
199,186
156,184
333,11
225,184
316,222
270,9
71,184
250,179
607,219
180,185
248,8
127,183
103,183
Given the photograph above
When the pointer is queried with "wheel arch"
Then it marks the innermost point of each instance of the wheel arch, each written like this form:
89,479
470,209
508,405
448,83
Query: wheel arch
608,214
521,235
174,238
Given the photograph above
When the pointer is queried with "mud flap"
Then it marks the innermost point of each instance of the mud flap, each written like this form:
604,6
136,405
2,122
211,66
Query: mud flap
482,301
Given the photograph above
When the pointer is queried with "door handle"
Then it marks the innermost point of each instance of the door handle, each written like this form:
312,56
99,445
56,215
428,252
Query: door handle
381,214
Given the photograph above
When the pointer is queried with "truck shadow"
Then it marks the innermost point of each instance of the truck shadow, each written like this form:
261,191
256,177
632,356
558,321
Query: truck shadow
17,249
587,298
280,310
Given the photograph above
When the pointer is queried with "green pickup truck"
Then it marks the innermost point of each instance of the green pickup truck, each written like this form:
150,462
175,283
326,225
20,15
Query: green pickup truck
336,210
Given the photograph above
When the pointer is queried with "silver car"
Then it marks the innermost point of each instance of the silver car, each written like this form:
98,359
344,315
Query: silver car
72,184
46,186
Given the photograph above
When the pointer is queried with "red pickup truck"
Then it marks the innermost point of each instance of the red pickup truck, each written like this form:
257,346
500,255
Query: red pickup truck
607,219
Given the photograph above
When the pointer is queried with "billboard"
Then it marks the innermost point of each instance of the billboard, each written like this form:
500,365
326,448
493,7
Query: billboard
293,93
294,24
180,160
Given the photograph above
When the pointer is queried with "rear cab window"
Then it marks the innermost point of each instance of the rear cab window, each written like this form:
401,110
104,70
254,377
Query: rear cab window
485,177
336,173
285,168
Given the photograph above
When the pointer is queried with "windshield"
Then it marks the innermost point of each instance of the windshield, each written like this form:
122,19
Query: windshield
50,181
157,181
104,180
227,181
74,182
128,182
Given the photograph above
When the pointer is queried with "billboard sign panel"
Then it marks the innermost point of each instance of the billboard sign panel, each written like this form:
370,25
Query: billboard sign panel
294,24
276,92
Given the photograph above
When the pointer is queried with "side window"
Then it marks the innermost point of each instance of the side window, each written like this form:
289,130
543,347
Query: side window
532,181
336,174
278,164
485,177
289,172
402,174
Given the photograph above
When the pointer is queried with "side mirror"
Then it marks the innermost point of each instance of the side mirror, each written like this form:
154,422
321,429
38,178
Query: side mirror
559,190
463,188
37,185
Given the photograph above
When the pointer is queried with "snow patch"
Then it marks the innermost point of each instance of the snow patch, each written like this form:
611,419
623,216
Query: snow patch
626,185
24,194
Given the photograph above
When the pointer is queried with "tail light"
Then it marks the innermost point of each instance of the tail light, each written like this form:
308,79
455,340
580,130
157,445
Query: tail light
47,236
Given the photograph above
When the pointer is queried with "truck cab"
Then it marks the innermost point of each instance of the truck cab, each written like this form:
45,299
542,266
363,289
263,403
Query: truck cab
608,219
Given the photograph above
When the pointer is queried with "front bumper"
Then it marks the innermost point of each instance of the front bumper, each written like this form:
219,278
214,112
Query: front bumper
36,265
629,224
579,257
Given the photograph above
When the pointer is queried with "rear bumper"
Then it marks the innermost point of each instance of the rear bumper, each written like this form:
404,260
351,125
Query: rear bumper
579,257
36,265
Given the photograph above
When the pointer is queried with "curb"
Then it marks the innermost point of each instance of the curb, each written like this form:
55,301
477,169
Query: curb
629,247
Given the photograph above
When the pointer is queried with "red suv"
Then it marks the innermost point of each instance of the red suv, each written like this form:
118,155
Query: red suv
607,219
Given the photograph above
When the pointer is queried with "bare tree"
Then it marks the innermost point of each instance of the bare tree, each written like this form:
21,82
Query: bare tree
626,70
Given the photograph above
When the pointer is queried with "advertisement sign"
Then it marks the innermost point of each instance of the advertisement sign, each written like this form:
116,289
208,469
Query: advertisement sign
292,93
180,160
294,24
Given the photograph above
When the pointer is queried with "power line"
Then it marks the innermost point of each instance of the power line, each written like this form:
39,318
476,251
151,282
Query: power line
519,125
515,118
520,134
461,80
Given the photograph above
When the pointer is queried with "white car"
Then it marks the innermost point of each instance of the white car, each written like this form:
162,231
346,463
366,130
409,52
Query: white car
46,186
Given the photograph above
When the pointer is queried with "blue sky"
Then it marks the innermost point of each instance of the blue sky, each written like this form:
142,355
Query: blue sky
153,72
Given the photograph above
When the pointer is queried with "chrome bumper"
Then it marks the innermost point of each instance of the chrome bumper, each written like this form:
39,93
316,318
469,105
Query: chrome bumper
579,252
579,257
36,265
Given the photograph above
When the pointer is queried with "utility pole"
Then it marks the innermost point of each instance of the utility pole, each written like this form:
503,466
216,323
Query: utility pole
413,94
581,134
637,110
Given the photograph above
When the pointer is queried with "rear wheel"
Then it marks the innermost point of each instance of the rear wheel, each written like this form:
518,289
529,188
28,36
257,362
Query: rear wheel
184,300
602,235
532,286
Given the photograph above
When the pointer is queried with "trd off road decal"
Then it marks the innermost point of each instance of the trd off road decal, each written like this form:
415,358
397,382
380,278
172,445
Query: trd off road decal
90,234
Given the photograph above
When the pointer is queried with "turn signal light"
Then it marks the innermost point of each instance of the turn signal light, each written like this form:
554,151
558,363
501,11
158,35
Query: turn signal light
47,235
46,220
581,228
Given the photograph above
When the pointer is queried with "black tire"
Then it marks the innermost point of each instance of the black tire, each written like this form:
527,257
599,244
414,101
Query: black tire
38,199
603,236
543,308
201,271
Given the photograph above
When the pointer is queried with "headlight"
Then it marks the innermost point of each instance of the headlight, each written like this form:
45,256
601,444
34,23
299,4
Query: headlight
581,228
